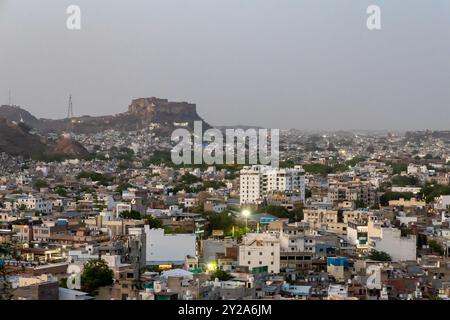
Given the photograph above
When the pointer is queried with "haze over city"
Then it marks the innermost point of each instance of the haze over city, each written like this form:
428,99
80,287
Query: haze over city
282,64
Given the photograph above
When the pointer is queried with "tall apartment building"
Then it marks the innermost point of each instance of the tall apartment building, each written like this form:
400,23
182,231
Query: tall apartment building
257,181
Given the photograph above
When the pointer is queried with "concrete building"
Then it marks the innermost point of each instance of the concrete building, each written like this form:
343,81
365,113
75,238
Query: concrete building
260,250
34,203
257,181
442,203
398,247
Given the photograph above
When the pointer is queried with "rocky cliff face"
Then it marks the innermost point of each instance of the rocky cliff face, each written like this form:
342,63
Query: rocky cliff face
162,110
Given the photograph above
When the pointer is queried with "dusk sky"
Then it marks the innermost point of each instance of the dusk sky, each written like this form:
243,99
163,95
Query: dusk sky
274,63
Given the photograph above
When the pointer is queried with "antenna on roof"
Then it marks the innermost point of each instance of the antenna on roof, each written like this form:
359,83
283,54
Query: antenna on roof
9,98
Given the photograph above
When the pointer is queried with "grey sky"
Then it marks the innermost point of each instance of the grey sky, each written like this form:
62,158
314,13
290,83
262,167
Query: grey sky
275,63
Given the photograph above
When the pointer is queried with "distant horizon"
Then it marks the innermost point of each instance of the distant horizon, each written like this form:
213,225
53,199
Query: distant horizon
252,125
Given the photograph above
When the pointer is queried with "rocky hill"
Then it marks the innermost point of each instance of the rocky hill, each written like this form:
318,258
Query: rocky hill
17,114
17,140
65,146
140,114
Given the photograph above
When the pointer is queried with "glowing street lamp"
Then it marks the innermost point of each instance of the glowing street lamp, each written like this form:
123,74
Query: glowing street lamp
246,214
211,266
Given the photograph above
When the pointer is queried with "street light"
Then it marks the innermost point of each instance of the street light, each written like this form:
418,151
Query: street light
246,214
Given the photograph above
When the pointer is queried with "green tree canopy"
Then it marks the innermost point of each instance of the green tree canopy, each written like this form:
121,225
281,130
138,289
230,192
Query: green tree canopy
390,195
436,247
379,256
431,191
403,181
221,275
154,223
96,274
132,214
40,183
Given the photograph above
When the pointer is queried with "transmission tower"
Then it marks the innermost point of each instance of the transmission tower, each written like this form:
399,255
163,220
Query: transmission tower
70,108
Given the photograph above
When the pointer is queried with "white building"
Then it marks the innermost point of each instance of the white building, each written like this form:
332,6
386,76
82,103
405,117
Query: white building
260,250
168,248
337,292
294,240
398,247
442,203
258,180
416,169
35,203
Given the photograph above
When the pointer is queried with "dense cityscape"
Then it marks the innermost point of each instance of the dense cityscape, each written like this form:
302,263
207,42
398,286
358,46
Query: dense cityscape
102,213
222,159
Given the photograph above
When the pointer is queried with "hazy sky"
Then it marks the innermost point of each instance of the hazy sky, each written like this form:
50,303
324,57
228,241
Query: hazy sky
275,63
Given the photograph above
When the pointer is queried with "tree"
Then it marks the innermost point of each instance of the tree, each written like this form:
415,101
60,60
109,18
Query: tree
96,274
404,181
379,256
39,183
316,168
154,223
220,221
123,186
397,168
308,193
189,178
436,247
221,275
390,195
61,191
277,211
95,176
132,214
429,192
297,213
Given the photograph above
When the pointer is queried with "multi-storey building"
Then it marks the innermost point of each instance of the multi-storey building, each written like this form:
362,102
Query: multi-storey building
260,250
257,181
36,203
361,191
